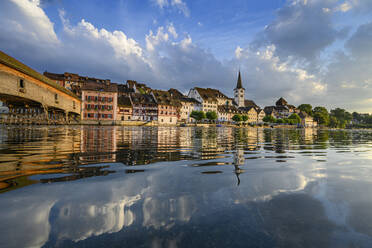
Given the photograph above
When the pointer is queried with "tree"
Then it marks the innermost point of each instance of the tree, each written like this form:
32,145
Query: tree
307,108
198,115
237,118
295,118
321,116
343,117
244,118
269,119
279,121
211,115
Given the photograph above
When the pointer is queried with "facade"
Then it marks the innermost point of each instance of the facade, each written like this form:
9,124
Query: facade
125,109
187,105
226,112
99,102
239,93
209,98
307,120
144,106
168,107
251,112
260,115
281,109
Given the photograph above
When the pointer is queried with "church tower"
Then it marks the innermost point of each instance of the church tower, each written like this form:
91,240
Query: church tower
239,93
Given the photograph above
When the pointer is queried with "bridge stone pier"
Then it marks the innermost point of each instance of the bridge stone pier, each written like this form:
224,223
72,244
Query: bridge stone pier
34,99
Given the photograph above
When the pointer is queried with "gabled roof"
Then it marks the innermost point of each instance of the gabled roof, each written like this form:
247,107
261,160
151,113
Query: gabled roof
210,94
227,109
17,65
250,103
124,89
176,93
281,102
124,101
163,97
247,109
138,98
190,100
93,86
269,110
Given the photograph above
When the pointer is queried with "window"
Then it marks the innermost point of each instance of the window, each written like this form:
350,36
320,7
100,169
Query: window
122,118
21,84
110,116
56,98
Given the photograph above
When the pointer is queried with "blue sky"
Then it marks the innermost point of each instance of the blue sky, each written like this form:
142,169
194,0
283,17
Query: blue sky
308,51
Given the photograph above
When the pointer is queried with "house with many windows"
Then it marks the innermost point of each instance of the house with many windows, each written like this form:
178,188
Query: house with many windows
187,106
99,103
144,106
168,107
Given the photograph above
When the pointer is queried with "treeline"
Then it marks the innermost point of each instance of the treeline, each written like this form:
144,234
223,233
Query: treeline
293,119
337,118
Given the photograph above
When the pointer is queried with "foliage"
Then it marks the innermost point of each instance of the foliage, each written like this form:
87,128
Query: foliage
279,121
244,118
237,118
295,118
198,115
269,119
307,108
340,118
211,115
321,115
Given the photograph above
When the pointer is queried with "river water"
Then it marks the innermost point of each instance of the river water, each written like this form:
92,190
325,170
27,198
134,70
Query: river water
184,187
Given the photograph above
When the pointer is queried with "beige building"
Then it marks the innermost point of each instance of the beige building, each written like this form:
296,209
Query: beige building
168,107
209,98
260,115
251,112
307,120
125,109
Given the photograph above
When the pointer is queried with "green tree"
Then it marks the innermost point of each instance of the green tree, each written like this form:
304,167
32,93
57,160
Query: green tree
279,121
343,117
237,118
295,118
197,115
307,108
333,122
244,118
211,115
321,116
269,119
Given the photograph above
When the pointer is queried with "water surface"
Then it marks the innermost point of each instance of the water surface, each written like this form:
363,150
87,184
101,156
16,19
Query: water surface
184,187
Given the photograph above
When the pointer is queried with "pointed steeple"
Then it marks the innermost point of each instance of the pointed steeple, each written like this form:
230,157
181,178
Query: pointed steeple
239,83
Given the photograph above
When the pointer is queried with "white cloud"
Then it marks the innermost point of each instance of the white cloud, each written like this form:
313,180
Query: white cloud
27,21
181,6
172,31
175,4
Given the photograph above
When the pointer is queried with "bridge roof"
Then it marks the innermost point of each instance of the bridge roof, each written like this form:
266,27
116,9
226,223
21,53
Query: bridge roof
19,66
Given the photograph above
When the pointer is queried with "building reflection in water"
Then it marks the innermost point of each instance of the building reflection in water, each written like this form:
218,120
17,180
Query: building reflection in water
167,203
70,153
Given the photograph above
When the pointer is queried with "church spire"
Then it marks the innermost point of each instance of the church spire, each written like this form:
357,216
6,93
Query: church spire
239,83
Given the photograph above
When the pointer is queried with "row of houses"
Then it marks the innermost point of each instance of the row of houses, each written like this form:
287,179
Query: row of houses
107,102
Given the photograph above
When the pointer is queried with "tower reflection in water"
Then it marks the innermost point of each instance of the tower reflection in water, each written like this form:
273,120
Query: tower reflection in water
30,155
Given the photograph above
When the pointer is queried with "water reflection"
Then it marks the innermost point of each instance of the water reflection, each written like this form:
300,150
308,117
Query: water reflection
185,187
